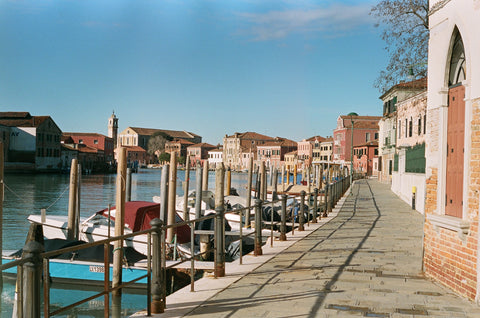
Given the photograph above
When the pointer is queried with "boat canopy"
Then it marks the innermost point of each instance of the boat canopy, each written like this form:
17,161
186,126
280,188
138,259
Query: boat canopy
139,214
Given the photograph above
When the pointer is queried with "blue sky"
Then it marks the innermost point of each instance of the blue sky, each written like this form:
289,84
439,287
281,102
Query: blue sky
282,68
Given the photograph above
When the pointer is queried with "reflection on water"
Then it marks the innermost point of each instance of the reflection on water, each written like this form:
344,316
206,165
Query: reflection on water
27,194
130,304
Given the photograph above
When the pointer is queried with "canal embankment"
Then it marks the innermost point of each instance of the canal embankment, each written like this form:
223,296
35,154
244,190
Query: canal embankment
365,260
184,301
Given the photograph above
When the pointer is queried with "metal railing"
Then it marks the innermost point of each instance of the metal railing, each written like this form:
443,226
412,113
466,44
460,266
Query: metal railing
29,267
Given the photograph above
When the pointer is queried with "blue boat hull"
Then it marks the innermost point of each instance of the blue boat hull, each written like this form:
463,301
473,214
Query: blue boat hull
83,272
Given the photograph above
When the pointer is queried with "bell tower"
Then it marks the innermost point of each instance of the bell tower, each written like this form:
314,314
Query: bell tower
113,128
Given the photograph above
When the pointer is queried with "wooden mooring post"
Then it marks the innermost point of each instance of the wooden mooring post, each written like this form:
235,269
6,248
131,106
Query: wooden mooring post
172,192
198,191
283,224
295,171
129,185
72,200
257,250
249,191
186,184
219,221
229,181
78,202
301,216
205,177
119,220
263,182
164,193
315,205
32,276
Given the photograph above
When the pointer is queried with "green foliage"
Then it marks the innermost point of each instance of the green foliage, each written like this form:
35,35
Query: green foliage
181,160
164,156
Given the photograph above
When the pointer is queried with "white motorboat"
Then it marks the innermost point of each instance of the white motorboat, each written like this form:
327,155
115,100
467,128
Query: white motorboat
101,225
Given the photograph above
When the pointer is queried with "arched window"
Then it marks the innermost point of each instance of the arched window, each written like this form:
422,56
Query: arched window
457,63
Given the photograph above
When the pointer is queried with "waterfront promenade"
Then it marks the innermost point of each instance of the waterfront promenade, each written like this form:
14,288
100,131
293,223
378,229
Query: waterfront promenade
363,260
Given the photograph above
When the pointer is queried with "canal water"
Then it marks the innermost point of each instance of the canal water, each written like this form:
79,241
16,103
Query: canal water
27,194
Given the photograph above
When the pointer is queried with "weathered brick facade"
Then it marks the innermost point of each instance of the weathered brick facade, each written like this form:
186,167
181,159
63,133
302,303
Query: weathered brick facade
451,236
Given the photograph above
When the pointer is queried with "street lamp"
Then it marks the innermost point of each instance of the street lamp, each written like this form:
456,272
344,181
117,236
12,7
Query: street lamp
351,151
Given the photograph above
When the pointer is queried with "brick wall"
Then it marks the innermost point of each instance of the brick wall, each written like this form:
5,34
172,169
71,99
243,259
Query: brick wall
450,259
431,191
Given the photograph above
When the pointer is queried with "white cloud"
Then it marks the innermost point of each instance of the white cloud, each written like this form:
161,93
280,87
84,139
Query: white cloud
329,21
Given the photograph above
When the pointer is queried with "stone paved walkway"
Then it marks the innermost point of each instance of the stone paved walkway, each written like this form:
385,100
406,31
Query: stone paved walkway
364,262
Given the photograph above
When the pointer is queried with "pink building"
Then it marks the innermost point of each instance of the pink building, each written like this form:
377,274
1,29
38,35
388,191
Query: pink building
365,129
273,152
305,149
98,141
199,152
363,157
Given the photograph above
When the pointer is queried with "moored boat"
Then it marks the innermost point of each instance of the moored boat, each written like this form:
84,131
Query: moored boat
101,225
85,266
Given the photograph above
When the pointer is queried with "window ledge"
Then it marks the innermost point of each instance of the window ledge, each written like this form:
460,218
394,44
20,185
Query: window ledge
449,222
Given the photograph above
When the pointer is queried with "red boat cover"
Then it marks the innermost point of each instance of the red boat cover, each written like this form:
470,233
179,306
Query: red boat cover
139,214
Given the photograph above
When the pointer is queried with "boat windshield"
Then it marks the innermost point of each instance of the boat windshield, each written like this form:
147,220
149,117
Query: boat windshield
99,219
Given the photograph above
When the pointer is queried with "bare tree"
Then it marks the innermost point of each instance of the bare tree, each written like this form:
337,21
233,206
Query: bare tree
404,25
156,143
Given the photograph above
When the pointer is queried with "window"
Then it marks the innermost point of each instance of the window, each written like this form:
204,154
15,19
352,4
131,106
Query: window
406,128
367,137
420,126
376,136
424,124
95,142
415,159
399,128
80,141
410,128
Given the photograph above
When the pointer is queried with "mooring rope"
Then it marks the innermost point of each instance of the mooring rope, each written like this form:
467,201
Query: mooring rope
14,193
25,201
61,195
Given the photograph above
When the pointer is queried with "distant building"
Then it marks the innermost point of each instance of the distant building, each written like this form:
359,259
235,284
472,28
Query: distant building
97,141
291,161
306,147
113,129
33,143
390,128
5,139
215,156
139,137
409,160
178,146
240,143
273,152
363,157
136,156
322,152
199,152
245,156
91,159
365,129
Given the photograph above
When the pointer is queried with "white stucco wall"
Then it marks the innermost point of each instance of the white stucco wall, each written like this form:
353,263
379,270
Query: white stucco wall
402,184
23,139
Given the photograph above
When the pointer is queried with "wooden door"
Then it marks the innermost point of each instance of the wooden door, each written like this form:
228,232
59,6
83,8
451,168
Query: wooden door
455,151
